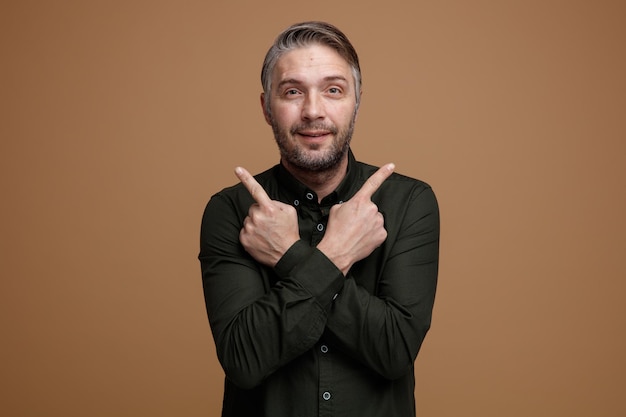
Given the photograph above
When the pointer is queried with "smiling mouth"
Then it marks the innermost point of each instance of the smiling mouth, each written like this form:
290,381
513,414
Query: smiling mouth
313,131
315,134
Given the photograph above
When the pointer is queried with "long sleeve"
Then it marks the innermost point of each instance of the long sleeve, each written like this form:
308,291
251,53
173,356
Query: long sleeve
384,310
261,318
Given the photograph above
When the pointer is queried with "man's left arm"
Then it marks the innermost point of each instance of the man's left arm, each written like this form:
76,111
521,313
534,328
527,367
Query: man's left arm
384,328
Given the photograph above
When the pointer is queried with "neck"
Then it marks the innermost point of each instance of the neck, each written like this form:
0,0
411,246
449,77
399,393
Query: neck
322,182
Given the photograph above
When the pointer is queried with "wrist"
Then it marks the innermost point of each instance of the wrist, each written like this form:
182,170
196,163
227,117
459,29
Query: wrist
341,261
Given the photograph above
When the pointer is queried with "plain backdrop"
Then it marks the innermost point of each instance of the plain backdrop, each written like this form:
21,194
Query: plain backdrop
119,120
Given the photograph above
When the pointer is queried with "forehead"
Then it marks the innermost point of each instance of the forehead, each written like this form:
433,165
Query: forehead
311,63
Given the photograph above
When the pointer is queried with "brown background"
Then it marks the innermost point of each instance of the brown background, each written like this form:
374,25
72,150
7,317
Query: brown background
120,118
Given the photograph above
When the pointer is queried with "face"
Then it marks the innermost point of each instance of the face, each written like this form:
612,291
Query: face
312,108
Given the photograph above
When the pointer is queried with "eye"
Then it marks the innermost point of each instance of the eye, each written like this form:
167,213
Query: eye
334,90
291,92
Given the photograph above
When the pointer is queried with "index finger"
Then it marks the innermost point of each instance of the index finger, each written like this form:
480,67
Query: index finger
374,182
254,188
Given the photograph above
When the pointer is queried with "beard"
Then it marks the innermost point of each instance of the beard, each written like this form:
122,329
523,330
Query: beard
309,159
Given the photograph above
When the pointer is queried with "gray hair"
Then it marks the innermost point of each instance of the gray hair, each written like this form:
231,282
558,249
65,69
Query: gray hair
305,34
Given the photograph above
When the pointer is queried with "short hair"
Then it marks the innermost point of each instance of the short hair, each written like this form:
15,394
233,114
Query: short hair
304,34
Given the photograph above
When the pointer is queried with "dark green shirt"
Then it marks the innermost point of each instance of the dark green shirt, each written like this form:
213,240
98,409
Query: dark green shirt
302,340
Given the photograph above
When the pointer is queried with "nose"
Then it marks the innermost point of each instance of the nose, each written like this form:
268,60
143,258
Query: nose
313,107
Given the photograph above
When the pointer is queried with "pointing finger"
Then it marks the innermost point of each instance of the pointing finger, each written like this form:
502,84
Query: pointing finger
375,181
254,188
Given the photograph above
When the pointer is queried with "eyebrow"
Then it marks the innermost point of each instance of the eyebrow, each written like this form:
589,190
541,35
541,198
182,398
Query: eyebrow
296,81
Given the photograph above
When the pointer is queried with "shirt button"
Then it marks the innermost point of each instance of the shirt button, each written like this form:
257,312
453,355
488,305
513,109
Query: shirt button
296,202
326,395
320,227
309,196
324,349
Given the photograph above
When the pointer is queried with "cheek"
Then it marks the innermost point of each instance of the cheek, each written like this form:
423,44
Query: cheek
285,114
344,115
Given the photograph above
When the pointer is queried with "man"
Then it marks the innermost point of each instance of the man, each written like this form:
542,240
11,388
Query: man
319,274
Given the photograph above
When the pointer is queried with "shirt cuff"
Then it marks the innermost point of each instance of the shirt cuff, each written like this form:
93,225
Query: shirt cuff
294,255
313,270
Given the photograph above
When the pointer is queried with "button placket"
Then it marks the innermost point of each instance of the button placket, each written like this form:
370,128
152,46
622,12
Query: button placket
326,382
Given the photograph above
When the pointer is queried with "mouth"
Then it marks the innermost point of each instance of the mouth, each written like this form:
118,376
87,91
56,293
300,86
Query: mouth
313,134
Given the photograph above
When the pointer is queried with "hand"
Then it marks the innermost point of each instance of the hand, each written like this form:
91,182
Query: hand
270,228
356,227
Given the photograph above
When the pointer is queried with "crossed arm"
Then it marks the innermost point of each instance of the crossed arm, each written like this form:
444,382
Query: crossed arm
258,328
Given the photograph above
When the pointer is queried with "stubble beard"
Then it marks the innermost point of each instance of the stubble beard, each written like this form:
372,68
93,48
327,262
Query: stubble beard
306,159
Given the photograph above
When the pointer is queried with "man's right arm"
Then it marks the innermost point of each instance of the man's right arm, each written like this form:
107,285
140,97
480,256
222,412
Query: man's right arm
261,318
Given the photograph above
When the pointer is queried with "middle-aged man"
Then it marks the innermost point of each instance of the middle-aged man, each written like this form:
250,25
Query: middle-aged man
319,274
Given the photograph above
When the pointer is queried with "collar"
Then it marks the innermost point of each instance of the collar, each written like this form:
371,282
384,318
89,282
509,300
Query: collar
298,193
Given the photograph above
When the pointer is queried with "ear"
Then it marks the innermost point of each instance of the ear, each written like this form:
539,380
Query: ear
265,113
